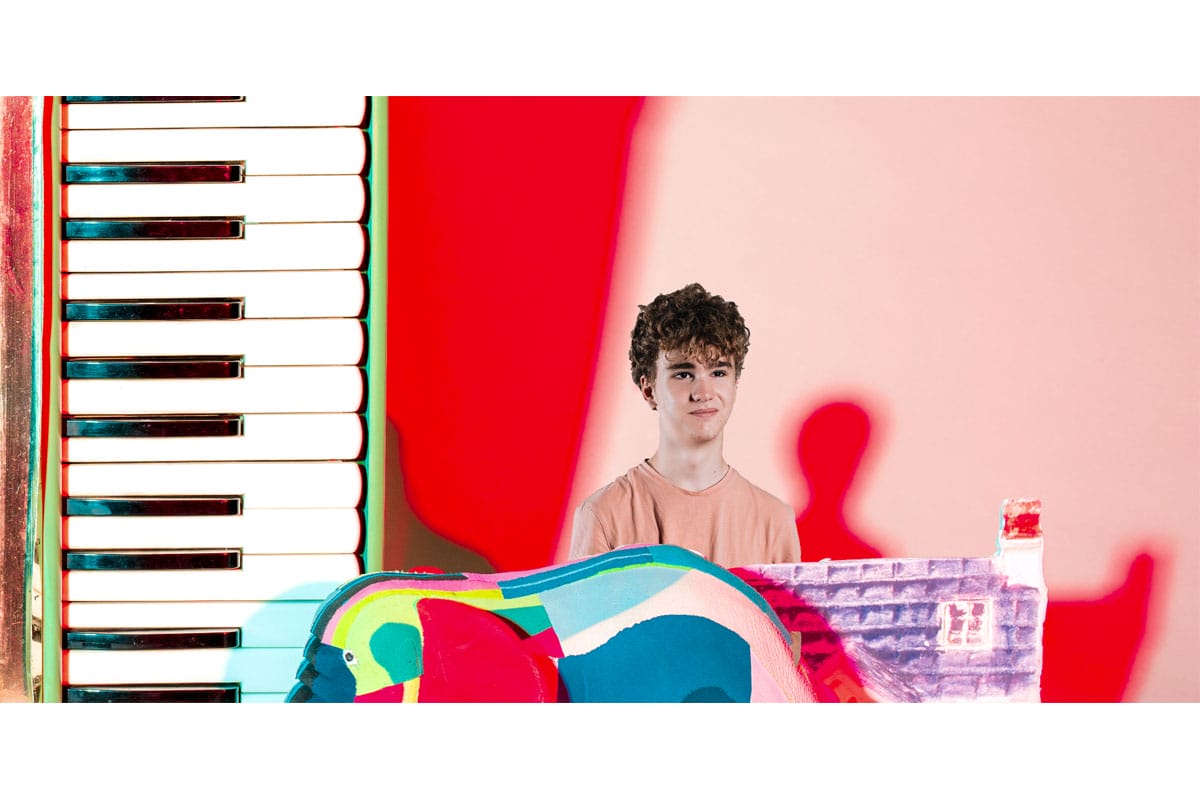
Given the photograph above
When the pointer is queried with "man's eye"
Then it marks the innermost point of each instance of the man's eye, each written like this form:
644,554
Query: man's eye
683,374
719,373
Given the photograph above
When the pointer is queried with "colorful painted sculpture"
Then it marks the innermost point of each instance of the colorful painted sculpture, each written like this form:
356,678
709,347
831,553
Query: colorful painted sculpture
640,624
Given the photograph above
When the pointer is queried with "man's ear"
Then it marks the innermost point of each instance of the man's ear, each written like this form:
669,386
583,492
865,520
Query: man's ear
648,393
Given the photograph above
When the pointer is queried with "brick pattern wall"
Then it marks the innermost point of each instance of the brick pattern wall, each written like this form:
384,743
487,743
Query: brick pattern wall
875,623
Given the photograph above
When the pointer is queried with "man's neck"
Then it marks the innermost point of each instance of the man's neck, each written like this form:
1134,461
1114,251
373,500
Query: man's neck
693,469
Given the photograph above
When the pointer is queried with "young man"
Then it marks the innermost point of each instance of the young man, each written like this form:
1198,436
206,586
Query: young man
687,354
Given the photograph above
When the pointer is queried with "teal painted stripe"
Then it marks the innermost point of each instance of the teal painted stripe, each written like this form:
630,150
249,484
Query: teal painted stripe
576,571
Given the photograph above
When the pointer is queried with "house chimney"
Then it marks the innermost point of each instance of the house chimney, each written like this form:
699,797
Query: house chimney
1019,548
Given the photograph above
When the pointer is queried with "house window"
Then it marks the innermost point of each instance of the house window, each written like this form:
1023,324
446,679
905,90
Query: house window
965,624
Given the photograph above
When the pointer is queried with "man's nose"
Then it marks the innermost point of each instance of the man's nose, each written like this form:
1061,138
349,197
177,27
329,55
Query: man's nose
702,389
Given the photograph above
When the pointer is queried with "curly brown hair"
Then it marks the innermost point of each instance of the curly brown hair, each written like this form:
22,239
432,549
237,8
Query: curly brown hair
692,321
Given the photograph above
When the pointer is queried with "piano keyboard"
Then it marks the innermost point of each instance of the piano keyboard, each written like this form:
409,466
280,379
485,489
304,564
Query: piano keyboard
218,280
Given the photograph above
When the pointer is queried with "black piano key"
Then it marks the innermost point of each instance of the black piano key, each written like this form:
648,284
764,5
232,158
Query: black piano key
159,228
152,99
198,506
151,559
156,367
154,173
182,639
206,308
181,425
169,693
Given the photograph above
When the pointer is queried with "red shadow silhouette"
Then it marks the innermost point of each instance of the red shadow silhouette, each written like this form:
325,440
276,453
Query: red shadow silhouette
830,449
1090,646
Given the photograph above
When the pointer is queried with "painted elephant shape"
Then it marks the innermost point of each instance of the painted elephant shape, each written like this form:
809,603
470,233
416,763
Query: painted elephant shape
651,623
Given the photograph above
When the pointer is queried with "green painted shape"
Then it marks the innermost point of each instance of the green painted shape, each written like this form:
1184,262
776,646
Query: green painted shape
531,619
376,322
50,546
396,647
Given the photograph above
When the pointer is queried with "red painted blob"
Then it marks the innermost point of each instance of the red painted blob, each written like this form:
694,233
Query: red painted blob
502,222
474,656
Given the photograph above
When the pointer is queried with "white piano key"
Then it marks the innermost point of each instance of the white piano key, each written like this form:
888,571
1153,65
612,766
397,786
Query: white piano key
282,437
257,531
264,151
266,577
259,390
255,111
290,246
273,342
263,624
285,484
263,198
257,669
273,295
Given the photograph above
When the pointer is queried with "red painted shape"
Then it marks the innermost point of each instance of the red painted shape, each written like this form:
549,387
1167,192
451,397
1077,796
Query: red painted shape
474,656
545,643
1089,646
830,448
502,222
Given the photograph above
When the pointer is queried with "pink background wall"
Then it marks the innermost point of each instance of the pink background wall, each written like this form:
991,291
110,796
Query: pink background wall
1008,288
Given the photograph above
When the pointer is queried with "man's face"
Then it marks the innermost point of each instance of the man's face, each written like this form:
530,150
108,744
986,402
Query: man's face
693,395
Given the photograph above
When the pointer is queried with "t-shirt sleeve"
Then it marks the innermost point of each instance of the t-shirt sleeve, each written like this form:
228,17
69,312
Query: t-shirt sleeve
587,535
787,547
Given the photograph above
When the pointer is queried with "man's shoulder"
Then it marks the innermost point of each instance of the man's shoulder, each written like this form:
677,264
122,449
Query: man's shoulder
615,493
762,497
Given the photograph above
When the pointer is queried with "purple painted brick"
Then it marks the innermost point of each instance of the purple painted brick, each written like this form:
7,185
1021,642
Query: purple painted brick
979,585
1027,612
943,589
945,567
878,569
980,566
1005,610
911,568
998,659
845,572
958,686
844,593
878,590
920,637
913,590
916,614
1026,660
775,573
877,615
923,660
844,618
811,572
880,642
1023,637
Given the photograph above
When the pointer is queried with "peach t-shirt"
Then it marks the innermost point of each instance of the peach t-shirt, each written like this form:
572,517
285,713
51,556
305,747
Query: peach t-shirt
732,523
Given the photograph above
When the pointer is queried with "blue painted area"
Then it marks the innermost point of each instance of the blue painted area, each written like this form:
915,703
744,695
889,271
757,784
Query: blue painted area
682,557
665,555
396,646
668,659
576,606
552,577
333,681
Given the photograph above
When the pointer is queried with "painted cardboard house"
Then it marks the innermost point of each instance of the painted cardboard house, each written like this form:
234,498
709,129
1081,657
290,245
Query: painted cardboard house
920,629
